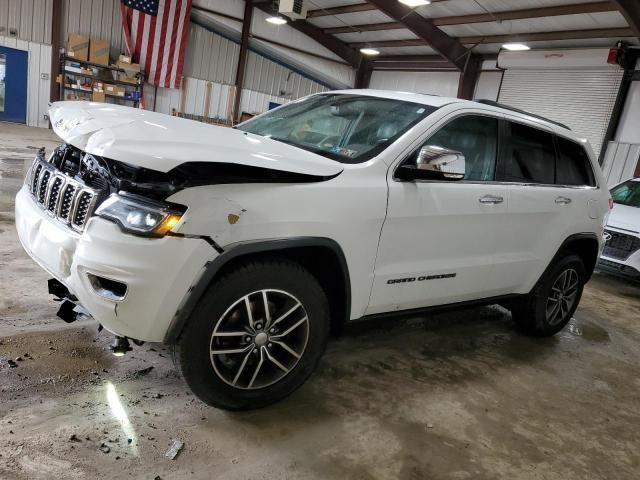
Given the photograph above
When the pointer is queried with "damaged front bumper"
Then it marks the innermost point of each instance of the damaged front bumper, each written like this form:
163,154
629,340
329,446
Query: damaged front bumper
131,285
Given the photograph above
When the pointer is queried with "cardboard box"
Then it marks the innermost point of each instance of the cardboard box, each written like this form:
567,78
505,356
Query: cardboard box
99,51
123,77
98,97
114,90
78,46
129,68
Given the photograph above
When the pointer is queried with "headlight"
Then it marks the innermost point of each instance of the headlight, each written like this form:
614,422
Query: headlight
139,216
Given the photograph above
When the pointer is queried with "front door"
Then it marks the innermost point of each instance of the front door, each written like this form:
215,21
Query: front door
13,85
441,240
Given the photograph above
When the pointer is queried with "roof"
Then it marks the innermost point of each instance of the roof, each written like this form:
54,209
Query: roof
432,100
438,101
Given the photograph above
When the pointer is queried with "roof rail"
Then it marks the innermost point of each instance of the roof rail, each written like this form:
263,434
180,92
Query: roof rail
507,107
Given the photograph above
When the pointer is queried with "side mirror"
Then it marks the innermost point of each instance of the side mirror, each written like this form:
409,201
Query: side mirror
435,163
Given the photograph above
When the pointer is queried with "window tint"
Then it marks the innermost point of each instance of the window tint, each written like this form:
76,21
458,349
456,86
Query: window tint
477,138
529,155
574,167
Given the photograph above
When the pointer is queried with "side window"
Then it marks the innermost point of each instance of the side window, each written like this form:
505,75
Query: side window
529,155
573,167
476,137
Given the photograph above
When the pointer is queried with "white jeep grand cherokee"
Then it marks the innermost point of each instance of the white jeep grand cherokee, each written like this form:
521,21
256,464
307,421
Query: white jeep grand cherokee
244,248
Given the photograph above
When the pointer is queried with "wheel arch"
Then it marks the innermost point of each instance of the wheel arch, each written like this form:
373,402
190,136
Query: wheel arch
586,246
323,257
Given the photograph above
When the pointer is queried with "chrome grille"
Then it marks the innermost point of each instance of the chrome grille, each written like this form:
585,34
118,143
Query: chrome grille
83,204
68,196
43,185
54,193
61,196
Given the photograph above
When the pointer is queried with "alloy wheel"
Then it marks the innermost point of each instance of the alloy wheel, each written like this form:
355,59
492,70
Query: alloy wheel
562,296
259,339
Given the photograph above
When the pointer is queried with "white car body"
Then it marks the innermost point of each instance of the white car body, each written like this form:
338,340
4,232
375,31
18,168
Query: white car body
621,252
455,248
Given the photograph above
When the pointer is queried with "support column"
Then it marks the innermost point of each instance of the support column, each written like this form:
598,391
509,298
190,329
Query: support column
242,59
56,31
469,76
363,74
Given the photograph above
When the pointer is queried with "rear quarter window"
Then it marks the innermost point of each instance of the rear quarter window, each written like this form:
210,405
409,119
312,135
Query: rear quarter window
573,166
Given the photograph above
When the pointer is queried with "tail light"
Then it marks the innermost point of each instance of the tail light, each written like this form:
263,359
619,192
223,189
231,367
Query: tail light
610,203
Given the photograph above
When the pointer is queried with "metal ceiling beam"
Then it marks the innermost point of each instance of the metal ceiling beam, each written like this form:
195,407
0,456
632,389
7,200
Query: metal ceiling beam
551,36
630,9
417,42
449,47
513,37
324,12
410,58
358,7
412,65
331,43
487,17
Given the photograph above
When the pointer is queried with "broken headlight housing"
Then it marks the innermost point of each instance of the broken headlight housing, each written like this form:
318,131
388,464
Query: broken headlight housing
141,216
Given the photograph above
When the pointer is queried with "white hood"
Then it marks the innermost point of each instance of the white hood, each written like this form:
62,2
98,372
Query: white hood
161,142
625,217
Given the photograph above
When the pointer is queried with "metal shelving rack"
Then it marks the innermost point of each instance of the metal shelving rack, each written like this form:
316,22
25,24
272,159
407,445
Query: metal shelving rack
64,74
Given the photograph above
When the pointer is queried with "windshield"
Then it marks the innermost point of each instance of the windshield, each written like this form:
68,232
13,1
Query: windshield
342,127
627,193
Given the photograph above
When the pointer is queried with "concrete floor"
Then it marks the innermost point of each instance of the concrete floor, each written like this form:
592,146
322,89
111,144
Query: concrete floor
456,396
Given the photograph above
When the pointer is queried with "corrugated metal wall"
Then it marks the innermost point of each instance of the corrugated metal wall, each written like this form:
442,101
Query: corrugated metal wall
210,57
29,19
38,88
266,76
95,18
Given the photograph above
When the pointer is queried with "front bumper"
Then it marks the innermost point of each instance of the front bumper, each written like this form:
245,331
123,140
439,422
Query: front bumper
158,272
629,267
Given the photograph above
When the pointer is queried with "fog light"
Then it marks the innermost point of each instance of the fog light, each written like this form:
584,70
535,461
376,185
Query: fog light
107,288
120,346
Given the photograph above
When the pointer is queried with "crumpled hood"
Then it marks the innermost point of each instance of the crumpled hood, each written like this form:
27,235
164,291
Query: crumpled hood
625,217
161,142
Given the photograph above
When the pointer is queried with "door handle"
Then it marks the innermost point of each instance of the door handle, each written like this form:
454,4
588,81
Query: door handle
563,200
491,199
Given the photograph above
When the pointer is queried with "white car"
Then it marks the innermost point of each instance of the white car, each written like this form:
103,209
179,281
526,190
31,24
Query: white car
244,248
621,253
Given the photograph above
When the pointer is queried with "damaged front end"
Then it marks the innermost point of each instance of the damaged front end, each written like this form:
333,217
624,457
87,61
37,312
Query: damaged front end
111,176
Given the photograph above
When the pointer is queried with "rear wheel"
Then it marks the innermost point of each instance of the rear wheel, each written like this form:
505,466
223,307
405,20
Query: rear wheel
554,299
256,336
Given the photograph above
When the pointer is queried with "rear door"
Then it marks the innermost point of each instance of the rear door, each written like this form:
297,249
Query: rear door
13,85
540,213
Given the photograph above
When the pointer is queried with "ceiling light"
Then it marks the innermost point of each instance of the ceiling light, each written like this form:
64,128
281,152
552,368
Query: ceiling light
415,3
516,47
372,52
276,20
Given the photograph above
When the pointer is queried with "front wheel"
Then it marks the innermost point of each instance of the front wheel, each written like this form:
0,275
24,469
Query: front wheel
256,336
554,299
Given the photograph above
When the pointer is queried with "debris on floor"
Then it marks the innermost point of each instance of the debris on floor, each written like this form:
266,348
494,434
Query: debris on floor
175,448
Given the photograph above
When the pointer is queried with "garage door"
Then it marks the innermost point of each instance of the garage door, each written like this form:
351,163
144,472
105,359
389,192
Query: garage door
581,99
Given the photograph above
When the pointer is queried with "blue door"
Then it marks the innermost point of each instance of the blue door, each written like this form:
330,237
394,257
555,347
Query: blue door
13,85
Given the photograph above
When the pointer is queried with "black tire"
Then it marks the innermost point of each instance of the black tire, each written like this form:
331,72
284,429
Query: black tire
192,353
531,314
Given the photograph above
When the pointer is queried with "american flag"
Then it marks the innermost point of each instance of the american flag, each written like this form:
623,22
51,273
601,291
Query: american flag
156,34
